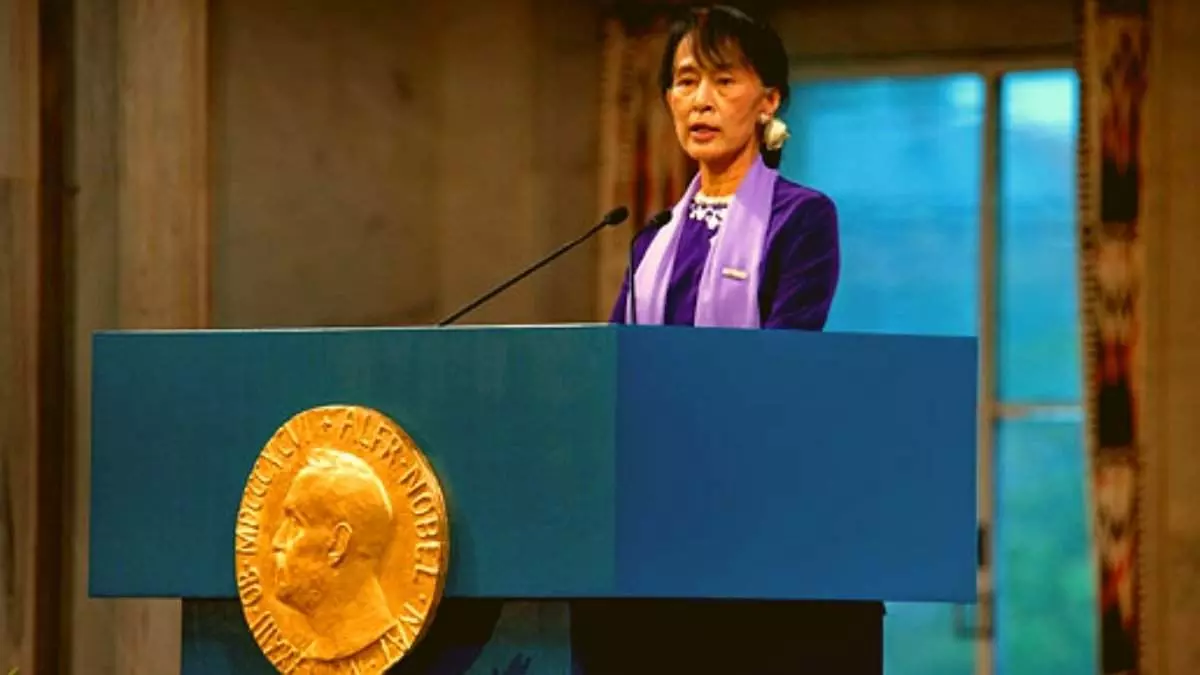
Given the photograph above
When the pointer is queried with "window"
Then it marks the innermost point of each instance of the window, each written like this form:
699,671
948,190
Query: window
902,159
907,160
1045,597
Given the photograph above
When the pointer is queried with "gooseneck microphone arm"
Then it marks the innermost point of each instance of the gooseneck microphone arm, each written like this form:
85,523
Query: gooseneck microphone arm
661,218
611,219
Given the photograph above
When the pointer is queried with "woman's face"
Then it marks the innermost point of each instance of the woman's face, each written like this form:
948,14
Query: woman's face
716,110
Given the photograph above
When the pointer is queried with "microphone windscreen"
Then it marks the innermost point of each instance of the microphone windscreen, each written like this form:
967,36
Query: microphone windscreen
617,216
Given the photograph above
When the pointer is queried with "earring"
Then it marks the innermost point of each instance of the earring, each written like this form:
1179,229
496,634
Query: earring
763,119
775,132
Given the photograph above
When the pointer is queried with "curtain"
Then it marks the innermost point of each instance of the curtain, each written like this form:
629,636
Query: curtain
1113,74
641,163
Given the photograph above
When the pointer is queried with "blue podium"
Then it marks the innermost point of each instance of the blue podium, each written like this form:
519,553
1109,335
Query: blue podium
579,463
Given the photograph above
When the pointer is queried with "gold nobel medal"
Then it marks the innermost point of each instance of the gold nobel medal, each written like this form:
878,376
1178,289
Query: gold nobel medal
341,543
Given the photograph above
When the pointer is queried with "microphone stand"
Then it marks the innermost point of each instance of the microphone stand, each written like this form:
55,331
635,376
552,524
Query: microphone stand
614,217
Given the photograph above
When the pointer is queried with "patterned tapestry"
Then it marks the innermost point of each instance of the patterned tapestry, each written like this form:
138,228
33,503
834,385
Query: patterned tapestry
1114,80
641,164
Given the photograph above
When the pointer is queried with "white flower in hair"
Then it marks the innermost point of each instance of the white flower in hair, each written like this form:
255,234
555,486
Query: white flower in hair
775,132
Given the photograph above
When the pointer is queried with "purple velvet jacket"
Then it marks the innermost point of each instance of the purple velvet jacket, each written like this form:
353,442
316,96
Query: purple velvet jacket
799,269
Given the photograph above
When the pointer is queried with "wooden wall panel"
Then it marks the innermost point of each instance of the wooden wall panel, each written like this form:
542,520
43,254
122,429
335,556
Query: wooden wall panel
94,281
163,235
18,326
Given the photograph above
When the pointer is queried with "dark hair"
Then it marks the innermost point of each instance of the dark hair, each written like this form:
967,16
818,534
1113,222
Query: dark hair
723,35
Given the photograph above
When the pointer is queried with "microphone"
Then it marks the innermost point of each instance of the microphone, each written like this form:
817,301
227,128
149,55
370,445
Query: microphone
661,218
611,219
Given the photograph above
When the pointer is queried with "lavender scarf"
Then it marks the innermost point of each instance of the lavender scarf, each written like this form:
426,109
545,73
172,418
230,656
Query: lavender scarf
728,292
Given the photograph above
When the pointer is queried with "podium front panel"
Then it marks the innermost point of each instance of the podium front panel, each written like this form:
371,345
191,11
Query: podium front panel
577,461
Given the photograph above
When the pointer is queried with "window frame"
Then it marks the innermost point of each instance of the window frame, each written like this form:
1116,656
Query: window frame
992,67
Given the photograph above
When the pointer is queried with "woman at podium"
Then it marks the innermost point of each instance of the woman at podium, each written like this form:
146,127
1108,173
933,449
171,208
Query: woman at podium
744,248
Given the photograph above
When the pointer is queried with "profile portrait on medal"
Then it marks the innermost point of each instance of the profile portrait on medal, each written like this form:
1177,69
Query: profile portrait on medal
336,527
